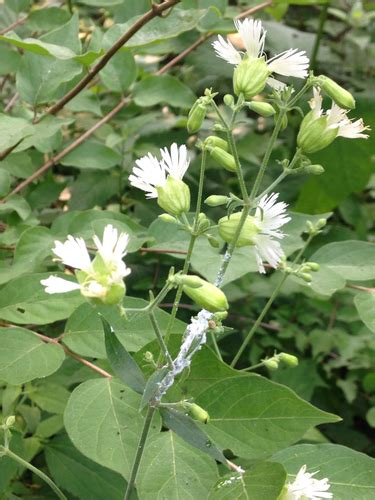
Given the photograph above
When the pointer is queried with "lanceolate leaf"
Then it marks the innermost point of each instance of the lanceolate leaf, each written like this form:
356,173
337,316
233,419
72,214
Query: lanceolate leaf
122,363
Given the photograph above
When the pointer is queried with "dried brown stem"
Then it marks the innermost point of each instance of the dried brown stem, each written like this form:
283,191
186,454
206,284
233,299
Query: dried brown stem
16,23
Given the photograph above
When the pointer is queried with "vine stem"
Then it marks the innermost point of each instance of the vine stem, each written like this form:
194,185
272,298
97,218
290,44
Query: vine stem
159,336
319,34
268,305
6,451
139,453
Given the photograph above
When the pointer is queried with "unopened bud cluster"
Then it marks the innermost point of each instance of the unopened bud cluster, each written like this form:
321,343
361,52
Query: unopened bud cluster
287,359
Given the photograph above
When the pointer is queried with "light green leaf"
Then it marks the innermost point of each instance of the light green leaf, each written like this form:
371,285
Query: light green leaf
18,204
163,89
120,72
23,300
254,417
170,468
80,476
350,473
159,28
84,331
262,482
92,155
352,260
13,130
103,422
24,357
49,426
365,304
50,397
4,182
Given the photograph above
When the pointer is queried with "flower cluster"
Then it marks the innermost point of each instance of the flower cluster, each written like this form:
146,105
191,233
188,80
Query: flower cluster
292,62
101,278
306,487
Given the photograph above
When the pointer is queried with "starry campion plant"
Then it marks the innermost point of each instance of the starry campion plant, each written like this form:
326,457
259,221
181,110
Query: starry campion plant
253,221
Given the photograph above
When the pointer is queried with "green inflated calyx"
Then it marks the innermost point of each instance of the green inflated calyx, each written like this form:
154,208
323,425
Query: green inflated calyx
250,77
315,134
174,196
207,296
228,229
341,96
223,158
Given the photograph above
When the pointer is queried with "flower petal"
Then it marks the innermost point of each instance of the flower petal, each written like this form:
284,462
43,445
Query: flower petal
226,51
73,253
175,161
54,284
148,174
290,63
253,36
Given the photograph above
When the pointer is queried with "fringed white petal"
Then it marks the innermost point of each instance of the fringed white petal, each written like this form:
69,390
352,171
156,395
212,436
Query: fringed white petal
73,253
271,215
267,249
54,284
148,174
175,161
253,36
275,84
226,51
305,486
352,129
292,62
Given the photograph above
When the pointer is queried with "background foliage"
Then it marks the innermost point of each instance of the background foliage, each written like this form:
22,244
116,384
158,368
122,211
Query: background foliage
64,170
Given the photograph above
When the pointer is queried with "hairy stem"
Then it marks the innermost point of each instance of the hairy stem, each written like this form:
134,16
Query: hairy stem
159,336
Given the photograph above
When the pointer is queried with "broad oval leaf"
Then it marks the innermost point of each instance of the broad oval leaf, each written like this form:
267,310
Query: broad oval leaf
350,473
365,304
254,417
24,357
103,422
163,89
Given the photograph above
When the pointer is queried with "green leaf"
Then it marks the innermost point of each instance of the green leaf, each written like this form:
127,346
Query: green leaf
24,357
254,417
49,426
50,397
352,260
47,18
13,130
4,182
120,72
188,430
18,204
262,482
163,89
152,385
121,362
365,304
9,60
159,28
80,476
23,300
170,468
350,473
84,331
103,422
92,155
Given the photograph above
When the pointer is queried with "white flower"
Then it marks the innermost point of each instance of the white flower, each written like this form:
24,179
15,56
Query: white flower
305,486
337,118
292,62
97,279
269,217
150,173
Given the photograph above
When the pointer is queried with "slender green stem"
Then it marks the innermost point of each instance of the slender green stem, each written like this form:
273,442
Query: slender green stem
216,347
219,114
319,34
159,336
252,367
139,453
267,154
299,94
268,305
239,172
193,239
27,465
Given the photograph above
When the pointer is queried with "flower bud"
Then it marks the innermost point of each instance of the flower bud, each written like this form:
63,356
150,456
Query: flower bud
313,266
216,200
306,277
228,228
221,315
203,222
196,412
213,241
214,140
185,279
262,108
208,296
196,117
314,133
271,363
224,159
10,421
228,100
288,359
168,218
148,357
342,97
314,169
174,196
250,77
321,223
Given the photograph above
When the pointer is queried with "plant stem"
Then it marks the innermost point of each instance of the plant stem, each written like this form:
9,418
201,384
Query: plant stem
239,172
159,336
268,305
319,34
139,453
193,238
252,367
27,465
267,154
216,347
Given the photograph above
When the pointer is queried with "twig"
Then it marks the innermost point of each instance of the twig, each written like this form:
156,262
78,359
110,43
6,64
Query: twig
16,23
160,250
72,354
155,11
11,103
69,148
